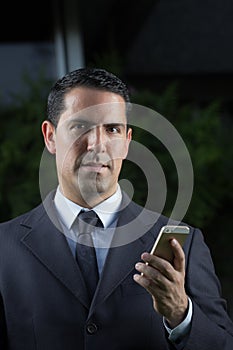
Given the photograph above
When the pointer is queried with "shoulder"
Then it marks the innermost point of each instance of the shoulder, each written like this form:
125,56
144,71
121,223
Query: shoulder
142,221
27,219
151,217
21,219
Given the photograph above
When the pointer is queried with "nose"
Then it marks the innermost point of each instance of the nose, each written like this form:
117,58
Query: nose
96,139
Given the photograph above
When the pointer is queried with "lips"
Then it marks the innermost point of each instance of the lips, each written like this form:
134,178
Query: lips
94,167
93,164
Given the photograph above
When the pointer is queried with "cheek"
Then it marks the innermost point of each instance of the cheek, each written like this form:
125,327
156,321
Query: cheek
118,149
65,158
68,150
117,164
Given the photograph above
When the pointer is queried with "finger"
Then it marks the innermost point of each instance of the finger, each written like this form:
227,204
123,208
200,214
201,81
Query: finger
152,280
142,280
161,265
153,286
147,271
179,257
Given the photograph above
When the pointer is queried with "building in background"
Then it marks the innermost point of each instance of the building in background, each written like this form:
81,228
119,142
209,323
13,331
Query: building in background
41,38
156,42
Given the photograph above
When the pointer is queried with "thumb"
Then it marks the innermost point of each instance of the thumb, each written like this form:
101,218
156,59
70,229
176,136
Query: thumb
179,257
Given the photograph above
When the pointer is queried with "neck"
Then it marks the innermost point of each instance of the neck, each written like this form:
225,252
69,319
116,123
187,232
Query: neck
91,200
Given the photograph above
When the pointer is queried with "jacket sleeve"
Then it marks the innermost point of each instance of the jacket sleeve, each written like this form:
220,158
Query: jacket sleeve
211,326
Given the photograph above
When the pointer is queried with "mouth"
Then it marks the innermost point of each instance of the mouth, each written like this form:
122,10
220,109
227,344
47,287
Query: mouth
95,167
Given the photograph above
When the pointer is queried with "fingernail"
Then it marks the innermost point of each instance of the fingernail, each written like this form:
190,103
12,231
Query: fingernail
145,256
174,242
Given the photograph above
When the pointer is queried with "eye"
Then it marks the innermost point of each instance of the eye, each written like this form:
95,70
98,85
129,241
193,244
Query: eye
113,129
80,126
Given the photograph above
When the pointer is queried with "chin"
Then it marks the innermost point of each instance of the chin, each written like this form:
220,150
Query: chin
91,188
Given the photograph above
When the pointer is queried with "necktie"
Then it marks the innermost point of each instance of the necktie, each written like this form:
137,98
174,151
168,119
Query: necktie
85,251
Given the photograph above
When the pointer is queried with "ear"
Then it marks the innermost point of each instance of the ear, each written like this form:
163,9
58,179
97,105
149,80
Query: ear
129,135
128,139
48,131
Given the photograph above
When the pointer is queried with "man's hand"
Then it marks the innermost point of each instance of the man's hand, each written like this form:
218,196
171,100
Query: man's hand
165,283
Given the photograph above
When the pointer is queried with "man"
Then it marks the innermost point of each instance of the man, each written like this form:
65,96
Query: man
140,301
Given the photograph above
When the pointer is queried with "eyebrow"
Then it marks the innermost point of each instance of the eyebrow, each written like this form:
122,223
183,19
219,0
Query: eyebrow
91,123
77,120
115,124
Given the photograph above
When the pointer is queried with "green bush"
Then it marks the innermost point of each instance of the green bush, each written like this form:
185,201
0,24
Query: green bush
207,134
207,137
21,146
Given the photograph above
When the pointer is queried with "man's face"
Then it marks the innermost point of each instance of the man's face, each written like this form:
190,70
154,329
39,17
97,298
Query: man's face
91,140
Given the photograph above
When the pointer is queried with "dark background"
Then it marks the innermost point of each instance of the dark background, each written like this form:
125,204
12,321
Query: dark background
176,57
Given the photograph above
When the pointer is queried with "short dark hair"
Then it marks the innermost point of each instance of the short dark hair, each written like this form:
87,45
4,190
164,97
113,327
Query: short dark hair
95,78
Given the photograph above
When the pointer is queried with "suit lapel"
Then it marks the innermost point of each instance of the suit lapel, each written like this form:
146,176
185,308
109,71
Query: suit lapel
48,244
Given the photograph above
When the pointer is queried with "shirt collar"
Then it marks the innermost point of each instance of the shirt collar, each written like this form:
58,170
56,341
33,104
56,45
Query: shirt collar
106,210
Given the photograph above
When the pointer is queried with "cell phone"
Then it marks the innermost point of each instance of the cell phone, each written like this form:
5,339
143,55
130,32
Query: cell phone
162,247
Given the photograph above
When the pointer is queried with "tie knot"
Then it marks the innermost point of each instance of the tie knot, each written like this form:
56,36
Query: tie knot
87,221
88,216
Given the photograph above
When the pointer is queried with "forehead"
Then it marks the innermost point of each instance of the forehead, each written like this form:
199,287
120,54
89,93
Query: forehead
93,105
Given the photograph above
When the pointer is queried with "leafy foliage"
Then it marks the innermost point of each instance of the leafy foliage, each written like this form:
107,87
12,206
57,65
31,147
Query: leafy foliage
208,137
21,146
206,132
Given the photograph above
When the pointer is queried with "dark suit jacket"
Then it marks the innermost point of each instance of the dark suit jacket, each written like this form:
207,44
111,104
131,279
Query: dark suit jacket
44,305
